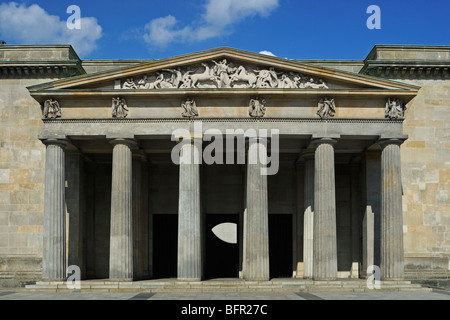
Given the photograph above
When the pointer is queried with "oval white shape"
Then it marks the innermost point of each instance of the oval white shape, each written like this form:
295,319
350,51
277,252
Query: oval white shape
226,232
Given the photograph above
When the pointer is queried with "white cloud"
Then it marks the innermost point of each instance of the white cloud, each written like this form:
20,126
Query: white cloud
225,12
162,31
33,25
267,53
218,15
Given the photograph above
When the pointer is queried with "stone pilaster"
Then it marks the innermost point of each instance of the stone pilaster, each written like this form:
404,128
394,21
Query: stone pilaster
392,255
189,236
325,248
257,217
308,215
371,219
121,243
54,234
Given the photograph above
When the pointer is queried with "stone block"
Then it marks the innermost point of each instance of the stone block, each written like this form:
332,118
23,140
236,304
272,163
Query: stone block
415,144
4,175
26,218
4,197
19,175
443,155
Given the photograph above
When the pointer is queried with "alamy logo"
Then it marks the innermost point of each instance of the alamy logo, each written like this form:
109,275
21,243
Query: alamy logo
189,150
73,277
373,281
74,21
374,21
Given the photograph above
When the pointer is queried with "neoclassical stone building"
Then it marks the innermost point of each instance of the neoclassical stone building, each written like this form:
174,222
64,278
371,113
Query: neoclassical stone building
224,164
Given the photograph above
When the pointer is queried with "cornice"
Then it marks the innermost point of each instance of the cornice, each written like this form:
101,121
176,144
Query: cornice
407,69
219,53
40,69
42,95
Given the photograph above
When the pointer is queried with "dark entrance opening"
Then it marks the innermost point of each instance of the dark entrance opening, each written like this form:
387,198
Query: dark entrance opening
280,245
165,243
221,258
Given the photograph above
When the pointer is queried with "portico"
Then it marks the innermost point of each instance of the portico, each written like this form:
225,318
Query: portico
142,216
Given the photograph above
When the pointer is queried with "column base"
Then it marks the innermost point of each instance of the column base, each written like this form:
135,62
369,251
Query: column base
121,279
189,279
54,279
325,279
392,279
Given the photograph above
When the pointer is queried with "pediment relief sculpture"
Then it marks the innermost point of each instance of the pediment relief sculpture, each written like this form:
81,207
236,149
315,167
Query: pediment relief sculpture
119,108
222,74
326,108
395,109
51,109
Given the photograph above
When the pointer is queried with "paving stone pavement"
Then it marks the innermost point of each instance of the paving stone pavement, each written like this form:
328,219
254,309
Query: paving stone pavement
21,295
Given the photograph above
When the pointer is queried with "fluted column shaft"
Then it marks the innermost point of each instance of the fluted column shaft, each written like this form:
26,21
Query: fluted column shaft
308,216
325,248
54,234
392,259
257,217
121,243
189,236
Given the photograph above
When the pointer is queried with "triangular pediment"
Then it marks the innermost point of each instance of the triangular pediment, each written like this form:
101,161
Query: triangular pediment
226,68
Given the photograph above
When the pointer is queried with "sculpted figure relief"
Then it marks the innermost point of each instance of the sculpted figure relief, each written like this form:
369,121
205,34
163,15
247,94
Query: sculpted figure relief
119,108
189,109
129,84
222,71
223,74
395,109
242,75
326,108
257,108
267,78
51,109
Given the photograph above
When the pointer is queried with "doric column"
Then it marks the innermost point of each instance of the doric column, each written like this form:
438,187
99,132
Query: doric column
121,243
325,249
54,245
392,259
308,215
257,217
189,236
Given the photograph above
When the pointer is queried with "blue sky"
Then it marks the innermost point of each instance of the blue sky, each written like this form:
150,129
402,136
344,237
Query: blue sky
293,29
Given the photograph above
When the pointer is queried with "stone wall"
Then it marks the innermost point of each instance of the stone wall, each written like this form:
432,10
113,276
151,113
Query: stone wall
22,163
22,155
426,153
426,176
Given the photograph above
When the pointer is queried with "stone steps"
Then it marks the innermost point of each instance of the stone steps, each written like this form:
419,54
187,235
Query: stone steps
226,285
427,274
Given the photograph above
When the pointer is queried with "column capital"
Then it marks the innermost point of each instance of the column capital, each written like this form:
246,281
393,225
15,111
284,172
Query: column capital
383,142
307,154
131,143
58,142
323,140
193,138
139,155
